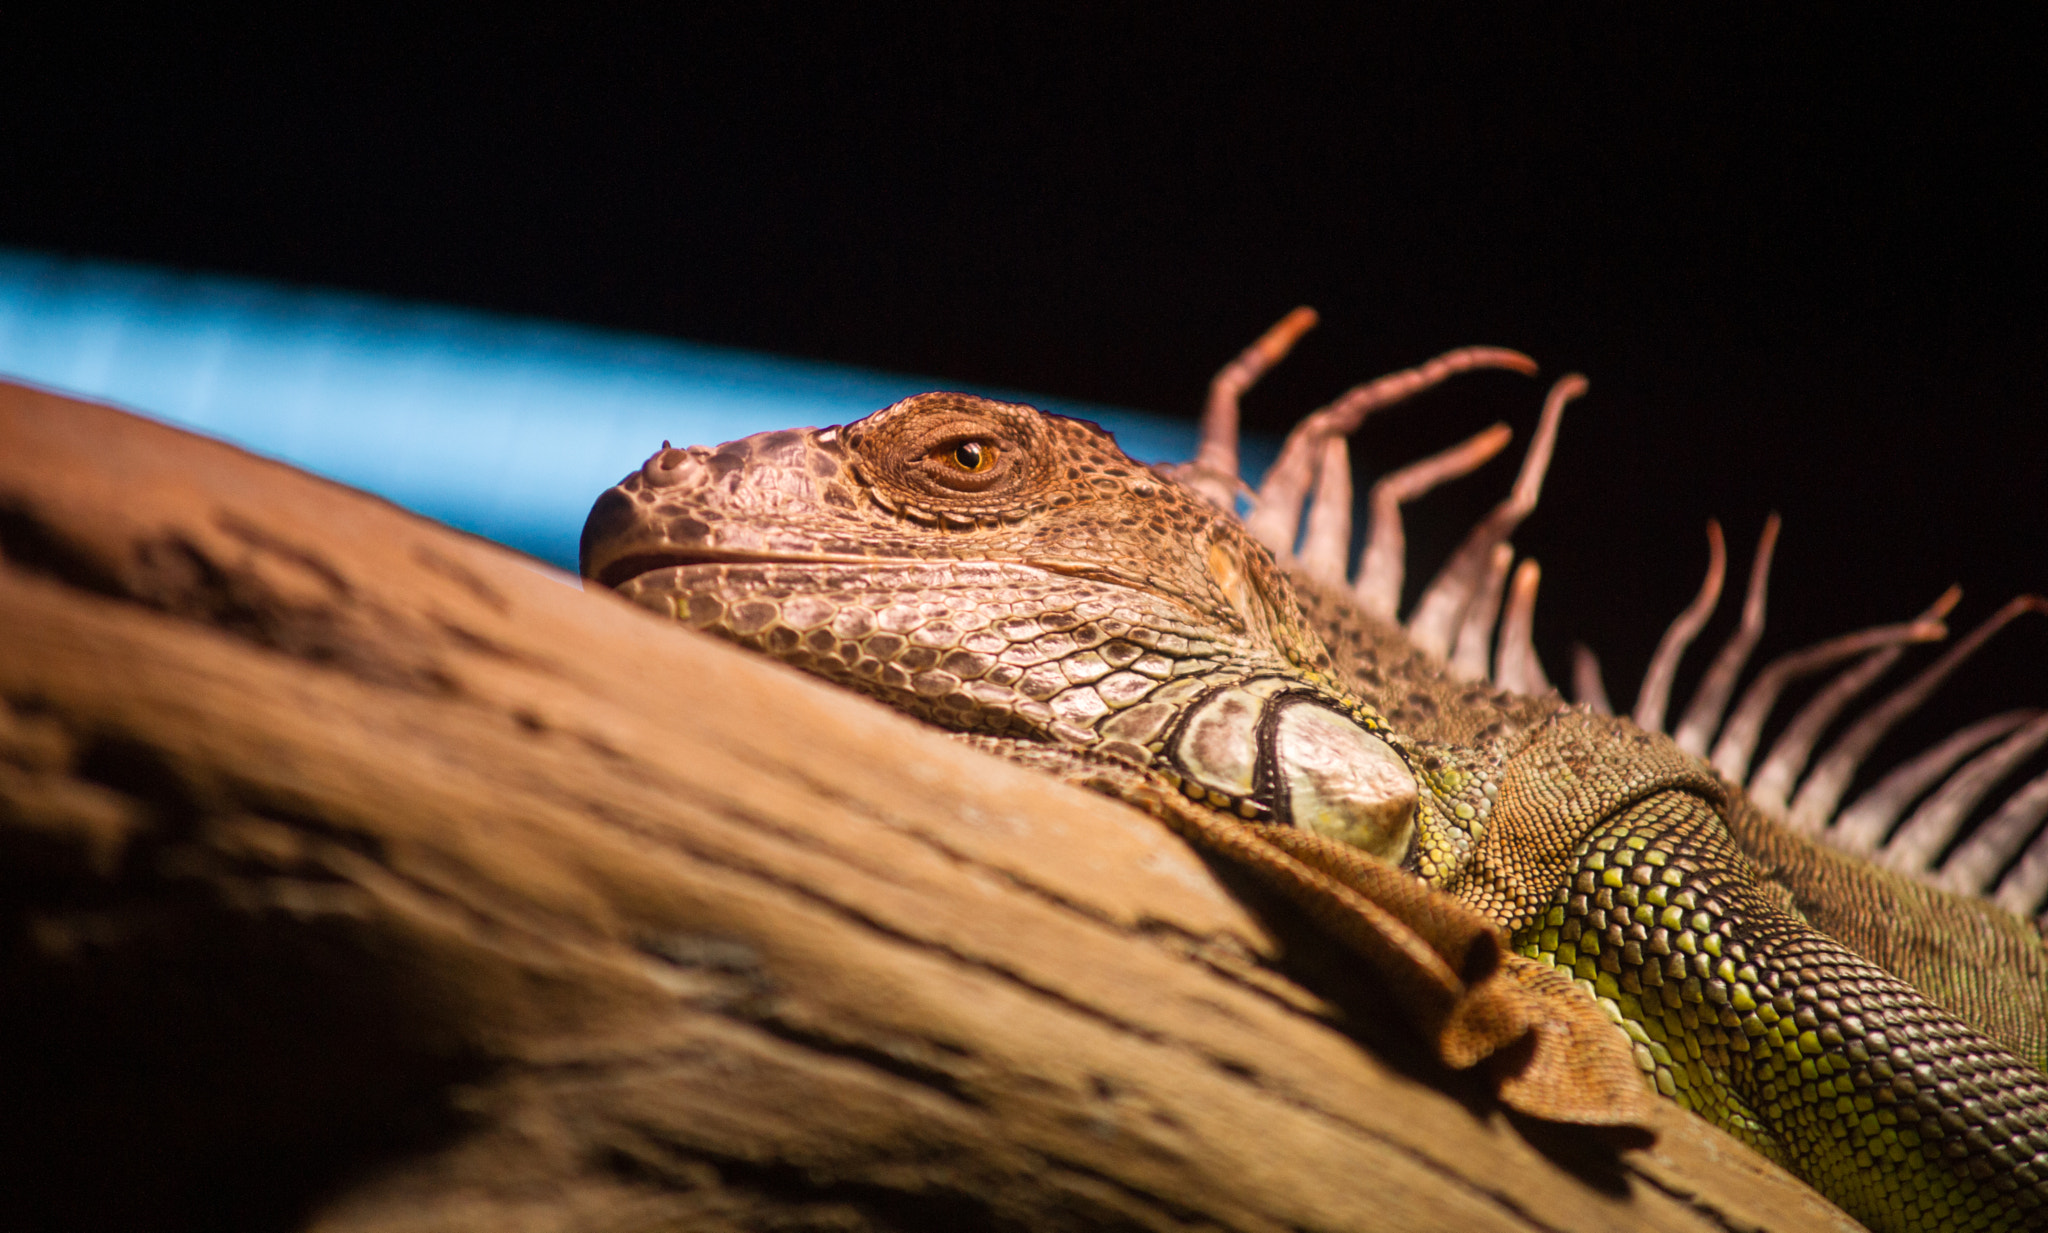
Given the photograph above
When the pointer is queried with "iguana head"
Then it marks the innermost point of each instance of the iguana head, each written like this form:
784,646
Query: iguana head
996,569
947,477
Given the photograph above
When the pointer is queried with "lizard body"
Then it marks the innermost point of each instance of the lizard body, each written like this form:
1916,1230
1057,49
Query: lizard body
1013,577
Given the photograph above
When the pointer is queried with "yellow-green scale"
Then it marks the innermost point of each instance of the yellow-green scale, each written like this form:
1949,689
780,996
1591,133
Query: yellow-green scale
1656,926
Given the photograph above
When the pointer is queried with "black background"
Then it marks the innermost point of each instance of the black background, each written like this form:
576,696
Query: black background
1796,254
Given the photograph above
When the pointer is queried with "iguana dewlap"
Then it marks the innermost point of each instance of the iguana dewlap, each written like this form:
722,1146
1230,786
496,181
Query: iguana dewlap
1012,576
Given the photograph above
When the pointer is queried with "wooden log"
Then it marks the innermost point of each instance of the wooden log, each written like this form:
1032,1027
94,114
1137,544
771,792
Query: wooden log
360,875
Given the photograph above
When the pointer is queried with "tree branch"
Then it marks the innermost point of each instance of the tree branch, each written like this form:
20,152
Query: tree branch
358,875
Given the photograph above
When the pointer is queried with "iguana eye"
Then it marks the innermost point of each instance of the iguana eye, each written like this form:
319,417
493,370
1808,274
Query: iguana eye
966,464
974,456
946,446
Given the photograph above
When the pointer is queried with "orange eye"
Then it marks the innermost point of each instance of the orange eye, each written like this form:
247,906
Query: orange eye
972,456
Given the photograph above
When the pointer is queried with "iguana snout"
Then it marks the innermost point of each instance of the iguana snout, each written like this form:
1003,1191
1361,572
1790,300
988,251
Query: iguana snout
775,496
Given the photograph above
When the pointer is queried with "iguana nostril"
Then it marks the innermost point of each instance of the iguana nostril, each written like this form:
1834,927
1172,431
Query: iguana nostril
665,467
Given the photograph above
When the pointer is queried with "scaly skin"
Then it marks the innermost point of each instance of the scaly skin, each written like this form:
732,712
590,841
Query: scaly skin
1012,576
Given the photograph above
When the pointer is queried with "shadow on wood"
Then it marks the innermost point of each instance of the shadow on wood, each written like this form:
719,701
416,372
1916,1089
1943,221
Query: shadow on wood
359,875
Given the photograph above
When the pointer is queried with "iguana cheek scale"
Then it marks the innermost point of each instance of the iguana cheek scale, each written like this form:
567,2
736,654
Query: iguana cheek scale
1523,874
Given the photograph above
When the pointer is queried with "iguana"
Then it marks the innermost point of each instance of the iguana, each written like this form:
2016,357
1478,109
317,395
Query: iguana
1523,873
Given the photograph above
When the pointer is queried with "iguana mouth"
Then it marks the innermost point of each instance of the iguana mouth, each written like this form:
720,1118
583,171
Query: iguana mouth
627,568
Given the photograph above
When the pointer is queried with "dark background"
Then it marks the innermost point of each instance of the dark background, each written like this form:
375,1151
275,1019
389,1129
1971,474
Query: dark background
1796,254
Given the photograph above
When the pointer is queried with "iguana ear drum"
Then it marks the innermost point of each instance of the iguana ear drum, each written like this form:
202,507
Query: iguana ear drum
1335,778
1218,745
1268,750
